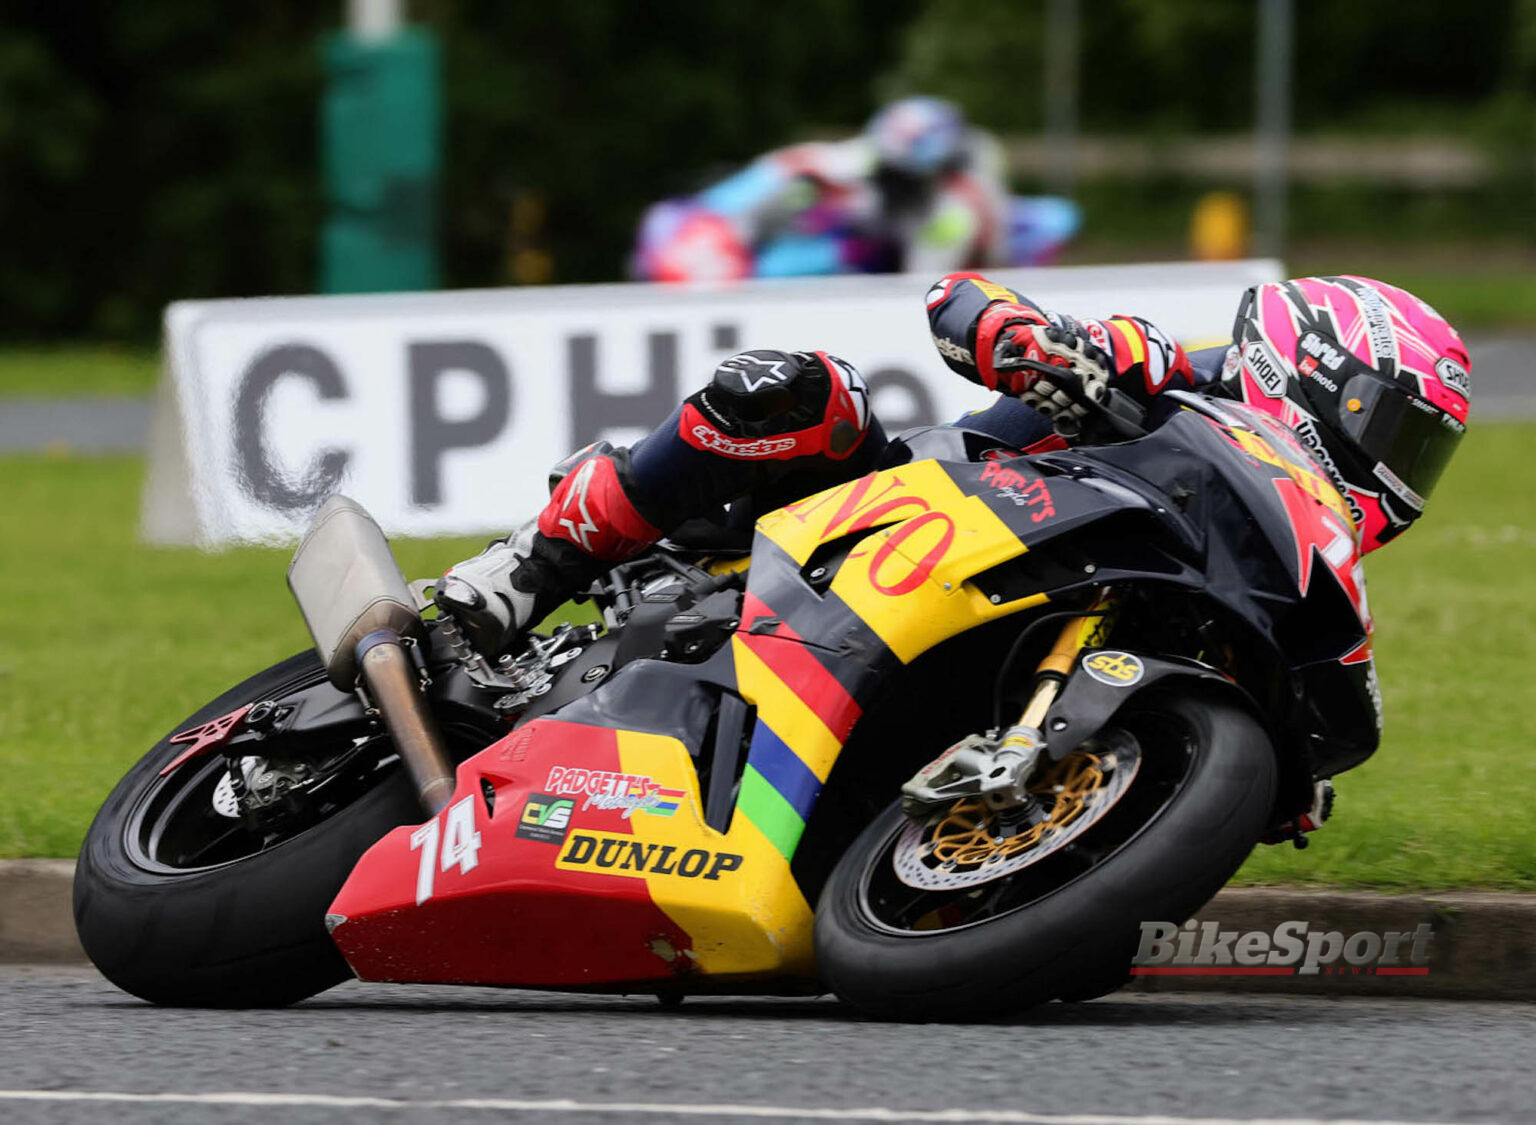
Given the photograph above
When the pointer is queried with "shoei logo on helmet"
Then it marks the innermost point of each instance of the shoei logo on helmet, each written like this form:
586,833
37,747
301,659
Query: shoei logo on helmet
1117,669
1265,369
1454,376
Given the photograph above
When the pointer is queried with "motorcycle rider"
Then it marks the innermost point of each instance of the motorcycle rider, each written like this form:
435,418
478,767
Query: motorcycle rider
918,190
1371,379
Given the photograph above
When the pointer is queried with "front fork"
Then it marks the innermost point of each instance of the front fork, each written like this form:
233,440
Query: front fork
997,767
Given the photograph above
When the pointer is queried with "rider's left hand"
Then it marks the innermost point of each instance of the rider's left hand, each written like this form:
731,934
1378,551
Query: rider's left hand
1079,371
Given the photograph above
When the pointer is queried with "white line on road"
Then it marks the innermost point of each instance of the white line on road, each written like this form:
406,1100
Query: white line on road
565,1105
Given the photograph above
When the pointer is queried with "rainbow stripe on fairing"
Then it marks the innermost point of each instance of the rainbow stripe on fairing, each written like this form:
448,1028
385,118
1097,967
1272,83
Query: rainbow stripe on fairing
751,921
906,586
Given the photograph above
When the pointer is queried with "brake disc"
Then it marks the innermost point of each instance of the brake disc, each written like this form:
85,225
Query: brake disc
964,845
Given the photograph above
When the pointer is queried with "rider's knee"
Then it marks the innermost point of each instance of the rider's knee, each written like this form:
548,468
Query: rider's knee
768,405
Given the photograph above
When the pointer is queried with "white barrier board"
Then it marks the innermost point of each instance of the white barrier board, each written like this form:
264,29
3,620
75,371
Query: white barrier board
441,412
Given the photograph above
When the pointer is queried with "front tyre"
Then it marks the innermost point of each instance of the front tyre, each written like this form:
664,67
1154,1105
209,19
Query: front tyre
226,922
1066,927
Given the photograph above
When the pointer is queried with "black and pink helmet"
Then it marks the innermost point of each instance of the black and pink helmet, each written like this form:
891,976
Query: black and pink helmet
1374,381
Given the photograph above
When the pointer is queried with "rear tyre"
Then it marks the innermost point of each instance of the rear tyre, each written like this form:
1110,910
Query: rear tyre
247,931
1069,926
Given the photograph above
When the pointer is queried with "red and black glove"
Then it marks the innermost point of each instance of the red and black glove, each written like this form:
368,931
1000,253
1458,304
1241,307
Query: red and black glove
1054,368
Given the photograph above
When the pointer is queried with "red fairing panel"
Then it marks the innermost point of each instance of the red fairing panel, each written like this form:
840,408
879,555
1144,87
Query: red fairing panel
473,896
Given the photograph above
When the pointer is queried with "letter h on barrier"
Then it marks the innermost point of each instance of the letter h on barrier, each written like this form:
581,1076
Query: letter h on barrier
594,411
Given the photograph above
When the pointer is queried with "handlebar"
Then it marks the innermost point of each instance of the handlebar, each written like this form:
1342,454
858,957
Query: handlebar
1119,412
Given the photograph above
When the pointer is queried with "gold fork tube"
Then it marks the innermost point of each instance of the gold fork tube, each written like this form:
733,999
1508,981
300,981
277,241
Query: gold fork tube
1088,631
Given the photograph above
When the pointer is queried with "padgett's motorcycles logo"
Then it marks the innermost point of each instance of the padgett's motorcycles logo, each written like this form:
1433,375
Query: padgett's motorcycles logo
1292,949
604,789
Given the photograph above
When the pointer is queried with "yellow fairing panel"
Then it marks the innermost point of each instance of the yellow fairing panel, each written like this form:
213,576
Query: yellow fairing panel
751,919
908,579
919,541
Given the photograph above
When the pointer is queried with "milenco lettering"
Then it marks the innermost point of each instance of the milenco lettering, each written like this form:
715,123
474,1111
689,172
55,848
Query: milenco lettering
624,855
1378,321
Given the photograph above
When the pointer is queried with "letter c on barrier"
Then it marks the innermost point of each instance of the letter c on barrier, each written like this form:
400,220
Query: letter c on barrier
259,477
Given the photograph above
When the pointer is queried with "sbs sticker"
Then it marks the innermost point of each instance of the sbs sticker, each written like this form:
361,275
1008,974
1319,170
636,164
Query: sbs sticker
1117,669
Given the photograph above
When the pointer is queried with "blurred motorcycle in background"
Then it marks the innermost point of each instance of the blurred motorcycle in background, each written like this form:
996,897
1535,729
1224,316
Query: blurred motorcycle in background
919,191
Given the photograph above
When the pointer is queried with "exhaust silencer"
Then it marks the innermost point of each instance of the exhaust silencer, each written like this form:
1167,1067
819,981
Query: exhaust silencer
358,608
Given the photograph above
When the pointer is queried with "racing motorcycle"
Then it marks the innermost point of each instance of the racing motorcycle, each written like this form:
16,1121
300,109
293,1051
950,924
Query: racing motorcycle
985,713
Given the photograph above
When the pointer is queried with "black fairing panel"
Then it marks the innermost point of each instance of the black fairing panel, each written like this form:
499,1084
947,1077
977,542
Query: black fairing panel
1184,508
1188,507
657,697
1245,552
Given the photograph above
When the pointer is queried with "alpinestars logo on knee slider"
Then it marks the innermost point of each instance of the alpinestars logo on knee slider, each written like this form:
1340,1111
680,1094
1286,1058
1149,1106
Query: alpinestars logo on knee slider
576,498
757,371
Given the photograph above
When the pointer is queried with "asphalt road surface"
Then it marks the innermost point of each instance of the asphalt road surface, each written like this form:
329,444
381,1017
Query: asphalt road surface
367,1053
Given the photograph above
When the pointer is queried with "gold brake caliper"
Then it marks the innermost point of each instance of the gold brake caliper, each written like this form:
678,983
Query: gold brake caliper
968,835
983,836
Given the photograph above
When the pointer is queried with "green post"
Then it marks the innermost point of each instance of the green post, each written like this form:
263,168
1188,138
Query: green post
380,130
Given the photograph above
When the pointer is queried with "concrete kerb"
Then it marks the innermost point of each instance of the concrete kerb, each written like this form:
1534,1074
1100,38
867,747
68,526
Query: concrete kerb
37,922
1484,945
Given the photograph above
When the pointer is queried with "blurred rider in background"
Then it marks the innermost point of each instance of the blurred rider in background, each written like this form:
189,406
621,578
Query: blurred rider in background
1360,376
918,191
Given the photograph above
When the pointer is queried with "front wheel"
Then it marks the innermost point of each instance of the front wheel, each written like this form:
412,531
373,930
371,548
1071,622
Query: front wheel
959,945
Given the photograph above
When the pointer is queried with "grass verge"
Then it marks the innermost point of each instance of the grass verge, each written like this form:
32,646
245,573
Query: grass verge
77,371
108,643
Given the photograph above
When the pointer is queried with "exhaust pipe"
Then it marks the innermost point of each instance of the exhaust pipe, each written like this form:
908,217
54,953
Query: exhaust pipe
360,613
392,685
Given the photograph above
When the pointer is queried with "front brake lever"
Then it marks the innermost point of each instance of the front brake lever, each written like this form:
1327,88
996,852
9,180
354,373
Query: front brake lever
1120,412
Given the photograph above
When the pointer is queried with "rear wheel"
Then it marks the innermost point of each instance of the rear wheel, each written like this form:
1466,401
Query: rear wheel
178,900
913,924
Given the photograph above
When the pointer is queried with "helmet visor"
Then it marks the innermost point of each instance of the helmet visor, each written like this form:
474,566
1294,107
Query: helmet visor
1408,434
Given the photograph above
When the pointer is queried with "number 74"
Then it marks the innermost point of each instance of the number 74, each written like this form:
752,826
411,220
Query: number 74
460,846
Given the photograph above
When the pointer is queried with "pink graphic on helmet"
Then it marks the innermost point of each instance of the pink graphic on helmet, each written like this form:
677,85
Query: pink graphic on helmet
1374,381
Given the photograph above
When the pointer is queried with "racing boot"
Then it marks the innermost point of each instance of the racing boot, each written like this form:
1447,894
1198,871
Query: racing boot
511,586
